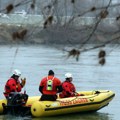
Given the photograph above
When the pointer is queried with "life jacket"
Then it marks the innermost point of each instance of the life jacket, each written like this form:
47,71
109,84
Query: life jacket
12,86
68,90
49,85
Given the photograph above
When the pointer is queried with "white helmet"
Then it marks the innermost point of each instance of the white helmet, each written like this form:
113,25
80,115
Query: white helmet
68,75
17,72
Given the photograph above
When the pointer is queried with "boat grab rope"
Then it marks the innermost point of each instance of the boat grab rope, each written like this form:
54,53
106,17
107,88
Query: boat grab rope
94,94
76,97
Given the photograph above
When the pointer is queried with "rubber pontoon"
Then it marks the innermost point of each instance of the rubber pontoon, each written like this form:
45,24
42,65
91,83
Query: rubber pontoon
91,101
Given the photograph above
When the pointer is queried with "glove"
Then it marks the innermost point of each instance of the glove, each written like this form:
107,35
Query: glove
72,94
23,82
76,94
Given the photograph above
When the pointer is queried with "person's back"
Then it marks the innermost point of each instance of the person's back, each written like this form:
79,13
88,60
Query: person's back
49,87
68,87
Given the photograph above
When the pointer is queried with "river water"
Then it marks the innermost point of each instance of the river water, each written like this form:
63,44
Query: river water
36,61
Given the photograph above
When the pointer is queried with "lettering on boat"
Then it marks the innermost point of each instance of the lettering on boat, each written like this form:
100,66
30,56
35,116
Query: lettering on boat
73,102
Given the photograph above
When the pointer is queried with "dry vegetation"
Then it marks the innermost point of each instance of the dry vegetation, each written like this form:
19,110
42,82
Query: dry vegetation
65,23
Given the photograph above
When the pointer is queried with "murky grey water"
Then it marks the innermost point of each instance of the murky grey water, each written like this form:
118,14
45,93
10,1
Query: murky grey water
35,61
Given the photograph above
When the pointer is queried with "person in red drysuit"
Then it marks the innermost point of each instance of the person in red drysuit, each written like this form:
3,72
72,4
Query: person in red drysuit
13,84
69,89
49,87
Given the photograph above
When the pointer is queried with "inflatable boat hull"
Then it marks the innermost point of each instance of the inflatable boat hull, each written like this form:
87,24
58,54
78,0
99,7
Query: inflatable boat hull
92,101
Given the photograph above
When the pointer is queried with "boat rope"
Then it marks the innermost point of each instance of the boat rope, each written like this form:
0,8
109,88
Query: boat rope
79,98
94,94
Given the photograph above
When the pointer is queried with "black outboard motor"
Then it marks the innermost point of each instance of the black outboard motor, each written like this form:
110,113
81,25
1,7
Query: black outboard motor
16,99
16,104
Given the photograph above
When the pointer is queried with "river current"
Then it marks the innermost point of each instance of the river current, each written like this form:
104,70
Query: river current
35,62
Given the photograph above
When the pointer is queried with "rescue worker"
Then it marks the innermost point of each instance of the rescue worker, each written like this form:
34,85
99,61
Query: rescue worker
13,84
69,89
49,87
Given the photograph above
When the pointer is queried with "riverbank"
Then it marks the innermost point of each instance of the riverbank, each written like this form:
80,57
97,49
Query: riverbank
77,32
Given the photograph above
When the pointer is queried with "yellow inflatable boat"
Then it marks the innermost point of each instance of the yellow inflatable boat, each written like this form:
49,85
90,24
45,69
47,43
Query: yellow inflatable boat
91,101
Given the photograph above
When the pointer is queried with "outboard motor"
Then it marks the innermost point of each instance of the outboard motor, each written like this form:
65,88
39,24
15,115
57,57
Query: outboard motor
16,99
16,104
